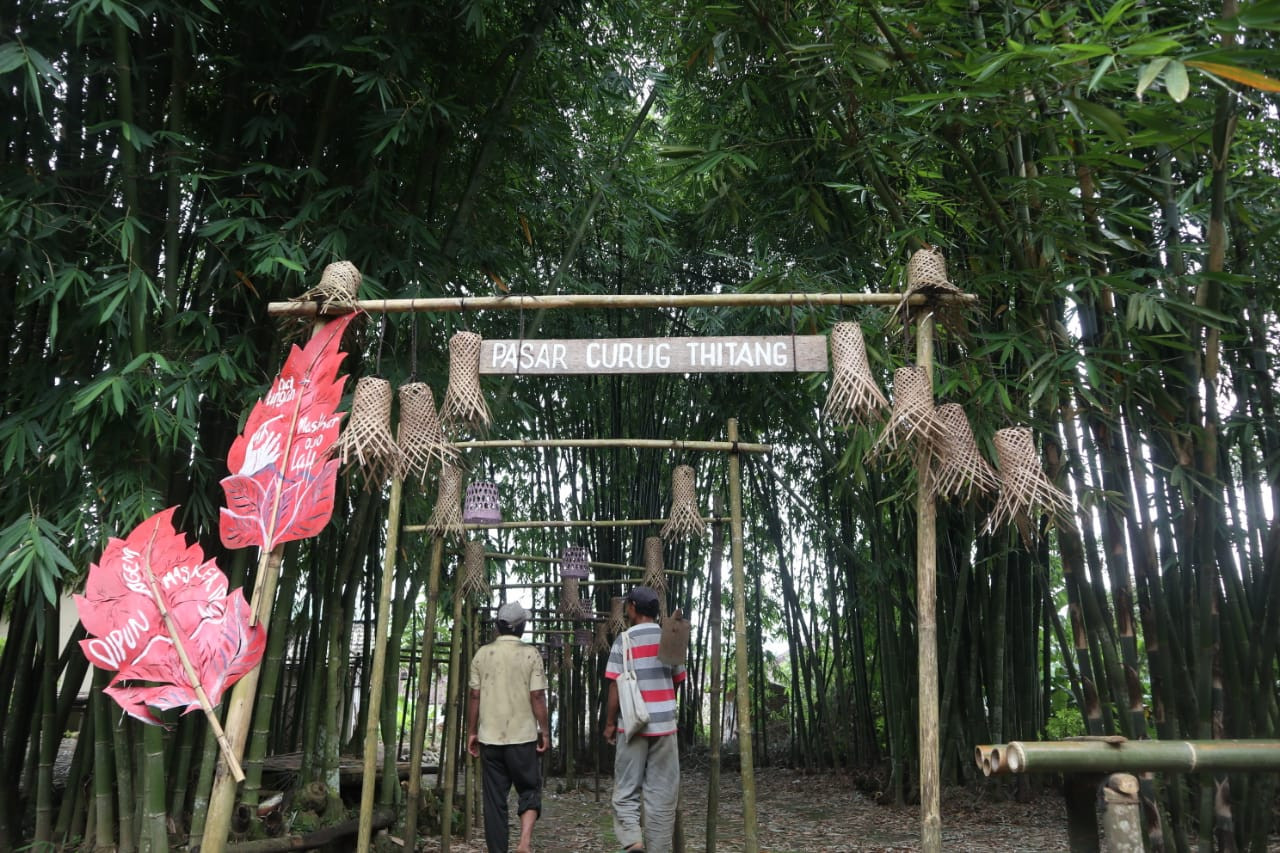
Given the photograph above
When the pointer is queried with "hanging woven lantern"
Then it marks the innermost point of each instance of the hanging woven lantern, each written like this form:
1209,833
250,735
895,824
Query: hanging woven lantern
582,637
600,644
911,420
464,404
1024,488
617,615
961,470
367,433
339,284
481,505
655,575
472,579
575,562
684,520
446,518
854,396
420,437
927,276
571,603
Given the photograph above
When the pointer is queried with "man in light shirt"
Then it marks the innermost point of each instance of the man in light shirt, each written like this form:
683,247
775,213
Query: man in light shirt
646,767
507,715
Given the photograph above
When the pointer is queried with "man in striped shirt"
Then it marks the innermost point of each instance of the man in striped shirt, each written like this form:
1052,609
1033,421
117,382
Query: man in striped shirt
646,767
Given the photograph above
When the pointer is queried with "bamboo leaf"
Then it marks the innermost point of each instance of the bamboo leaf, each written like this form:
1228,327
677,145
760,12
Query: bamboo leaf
1176,82
1240,75
1149,73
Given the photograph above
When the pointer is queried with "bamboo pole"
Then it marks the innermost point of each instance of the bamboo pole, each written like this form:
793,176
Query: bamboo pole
579,522
418,737
1116,755
537,558
717,704
752,843
452,724
516,302
643,443
377,676
927,624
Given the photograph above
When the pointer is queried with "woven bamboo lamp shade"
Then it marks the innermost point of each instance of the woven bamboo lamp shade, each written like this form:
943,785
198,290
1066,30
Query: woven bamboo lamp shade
854,398
601,642
912,419
420,436
367,433
655,575
339,285
575,562
961,470
582,637
1024,488
464,404
617,615
927,276
684,520
472,577
446,518
481,505
571,603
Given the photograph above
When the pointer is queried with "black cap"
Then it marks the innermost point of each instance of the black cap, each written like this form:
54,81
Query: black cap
643,597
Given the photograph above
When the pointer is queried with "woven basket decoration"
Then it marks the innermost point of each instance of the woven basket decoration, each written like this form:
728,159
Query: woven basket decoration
912,420
472,580
446,518
1024,488
617,615
600,644
575,562
339,285
571,604
420,437
582,637
367,433
481,505
854,396
961,470
464,404
655,575
684,521
927,276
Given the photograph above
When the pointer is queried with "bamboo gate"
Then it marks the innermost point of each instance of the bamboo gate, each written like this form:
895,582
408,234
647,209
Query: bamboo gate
928,723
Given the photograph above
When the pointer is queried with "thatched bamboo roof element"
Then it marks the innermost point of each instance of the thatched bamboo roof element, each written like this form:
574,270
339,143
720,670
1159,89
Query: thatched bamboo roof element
911,422
961,470
446,518
1024,488
367,433
473,580
684,520
338,287
420,435
854,396
464,404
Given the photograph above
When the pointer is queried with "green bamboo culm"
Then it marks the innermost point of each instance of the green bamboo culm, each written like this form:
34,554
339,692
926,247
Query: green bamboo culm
155,836
100,705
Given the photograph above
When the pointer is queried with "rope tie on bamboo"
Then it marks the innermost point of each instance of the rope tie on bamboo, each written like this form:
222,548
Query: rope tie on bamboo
655,575
854,398
961,471
911,419
464,404
420,435
338,287
446,518
367,433
684,520
1024,488
473,581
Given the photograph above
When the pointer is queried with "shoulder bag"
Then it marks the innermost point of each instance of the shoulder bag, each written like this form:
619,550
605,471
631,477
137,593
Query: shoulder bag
635,713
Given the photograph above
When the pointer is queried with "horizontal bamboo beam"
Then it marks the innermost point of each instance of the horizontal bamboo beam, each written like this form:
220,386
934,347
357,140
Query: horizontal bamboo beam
518,302
657,443
595,564
579,522
1117,755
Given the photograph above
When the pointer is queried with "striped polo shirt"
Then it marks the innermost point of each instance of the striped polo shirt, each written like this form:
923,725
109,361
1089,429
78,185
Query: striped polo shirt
657,680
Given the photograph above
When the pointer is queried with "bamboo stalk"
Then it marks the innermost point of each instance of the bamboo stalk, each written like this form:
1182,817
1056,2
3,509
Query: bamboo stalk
717,704
927,624
580,522
517,302
535,558
418,736
452,724
1116,755
378,674
654,443
752,843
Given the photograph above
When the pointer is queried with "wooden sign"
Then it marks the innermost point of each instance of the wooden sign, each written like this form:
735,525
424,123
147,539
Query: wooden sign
748,354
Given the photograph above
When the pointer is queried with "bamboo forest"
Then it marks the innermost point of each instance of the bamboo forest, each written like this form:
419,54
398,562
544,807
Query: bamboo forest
920,356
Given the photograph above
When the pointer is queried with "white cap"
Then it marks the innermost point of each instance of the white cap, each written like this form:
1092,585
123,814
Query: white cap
513,613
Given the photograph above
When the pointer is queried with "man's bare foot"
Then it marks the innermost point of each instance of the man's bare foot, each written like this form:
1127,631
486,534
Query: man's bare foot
524,848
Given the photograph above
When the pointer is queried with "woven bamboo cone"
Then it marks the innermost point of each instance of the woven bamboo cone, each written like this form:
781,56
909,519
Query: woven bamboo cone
367,433
684,521
961,470
446,518
854,396
912,420
473,580
1024,488
464,404
420,436
338,287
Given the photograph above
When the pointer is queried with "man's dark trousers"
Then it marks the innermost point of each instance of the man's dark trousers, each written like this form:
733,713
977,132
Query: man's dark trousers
504,766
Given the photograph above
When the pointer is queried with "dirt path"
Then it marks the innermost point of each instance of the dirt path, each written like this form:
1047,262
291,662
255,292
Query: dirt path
799,814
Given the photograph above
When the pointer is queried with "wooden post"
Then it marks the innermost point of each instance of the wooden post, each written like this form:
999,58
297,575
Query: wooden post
752,843
1122,815
927,624
452,723
717,705
374,720
418,735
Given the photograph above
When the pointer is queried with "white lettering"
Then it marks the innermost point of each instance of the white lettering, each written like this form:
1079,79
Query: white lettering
284,392
111,648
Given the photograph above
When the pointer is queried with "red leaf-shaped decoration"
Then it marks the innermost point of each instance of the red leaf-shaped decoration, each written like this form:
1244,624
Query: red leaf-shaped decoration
121,609
282,482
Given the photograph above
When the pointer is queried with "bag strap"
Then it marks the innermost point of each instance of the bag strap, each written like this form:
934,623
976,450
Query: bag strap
626,652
